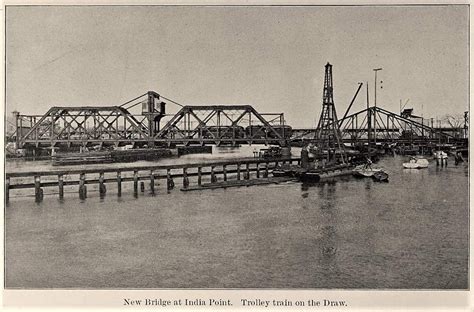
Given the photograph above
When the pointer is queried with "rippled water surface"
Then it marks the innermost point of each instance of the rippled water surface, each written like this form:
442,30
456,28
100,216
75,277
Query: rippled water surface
412,232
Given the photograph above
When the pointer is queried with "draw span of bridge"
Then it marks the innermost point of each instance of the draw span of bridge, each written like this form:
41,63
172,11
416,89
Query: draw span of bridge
232,125
118,126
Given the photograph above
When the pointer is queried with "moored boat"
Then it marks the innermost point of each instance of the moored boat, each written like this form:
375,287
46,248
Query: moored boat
416,163
315,175
310,176
365,171
286,170
380,176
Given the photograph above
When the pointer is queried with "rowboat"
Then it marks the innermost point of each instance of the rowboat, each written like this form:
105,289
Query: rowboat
380,176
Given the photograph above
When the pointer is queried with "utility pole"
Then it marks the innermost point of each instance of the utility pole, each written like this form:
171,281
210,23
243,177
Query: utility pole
375,106
369,121
375,87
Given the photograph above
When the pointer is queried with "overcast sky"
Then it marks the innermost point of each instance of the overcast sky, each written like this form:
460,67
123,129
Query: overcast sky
270,57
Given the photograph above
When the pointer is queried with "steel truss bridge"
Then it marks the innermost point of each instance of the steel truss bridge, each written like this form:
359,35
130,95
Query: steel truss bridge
232,125
379,125
117,126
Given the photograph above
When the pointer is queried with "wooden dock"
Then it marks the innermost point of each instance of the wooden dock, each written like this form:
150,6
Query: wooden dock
191,175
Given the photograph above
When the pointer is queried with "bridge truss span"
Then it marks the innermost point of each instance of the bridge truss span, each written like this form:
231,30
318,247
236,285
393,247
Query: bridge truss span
378,124
84,126
102,126
224,125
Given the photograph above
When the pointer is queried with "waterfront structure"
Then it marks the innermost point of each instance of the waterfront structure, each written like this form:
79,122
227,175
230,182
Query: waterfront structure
328,136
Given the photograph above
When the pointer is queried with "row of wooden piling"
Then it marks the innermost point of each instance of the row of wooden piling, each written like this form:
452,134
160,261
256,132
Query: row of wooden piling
152,176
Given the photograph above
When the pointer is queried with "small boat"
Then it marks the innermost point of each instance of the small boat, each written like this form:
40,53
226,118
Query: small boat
85,158
272,152
286,170
315,175
440,155
380,176
365,171
416,163
310,176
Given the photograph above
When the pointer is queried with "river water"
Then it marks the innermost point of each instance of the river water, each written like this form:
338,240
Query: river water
412,232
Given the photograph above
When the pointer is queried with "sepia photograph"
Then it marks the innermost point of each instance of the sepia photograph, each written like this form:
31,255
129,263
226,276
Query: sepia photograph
254,147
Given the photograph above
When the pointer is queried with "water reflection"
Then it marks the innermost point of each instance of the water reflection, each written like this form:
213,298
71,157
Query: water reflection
336,234
328,246
368,184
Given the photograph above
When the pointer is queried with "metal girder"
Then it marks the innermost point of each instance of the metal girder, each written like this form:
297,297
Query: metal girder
115,125
71,125
387,126
223,124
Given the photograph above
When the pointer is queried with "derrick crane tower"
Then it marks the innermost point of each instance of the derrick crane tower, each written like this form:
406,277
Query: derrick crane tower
328,135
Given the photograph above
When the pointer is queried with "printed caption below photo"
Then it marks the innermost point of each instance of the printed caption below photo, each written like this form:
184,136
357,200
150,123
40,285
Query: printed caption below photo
219,302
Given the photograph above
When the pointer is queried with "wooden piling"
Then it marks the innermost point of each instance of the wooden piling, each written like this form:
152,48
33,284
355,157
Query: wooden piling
152,181
102,187
61,186
199,176
7,189
185,178
119,183
213,175
169,180
135,182
38,189
38,185
82,186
